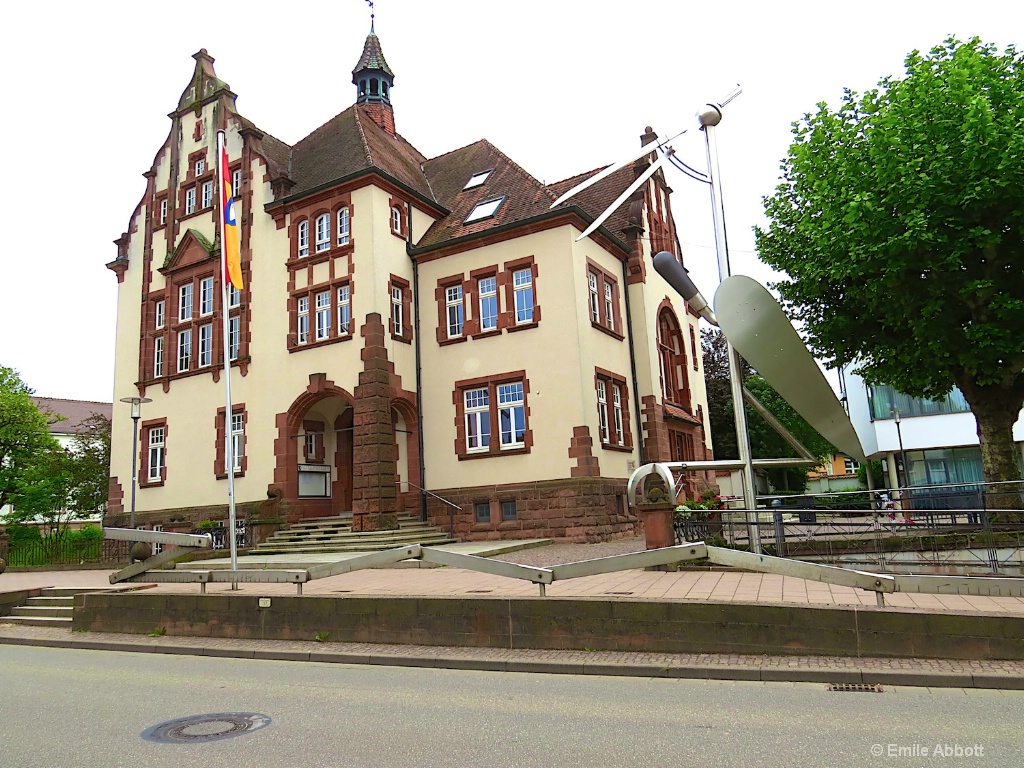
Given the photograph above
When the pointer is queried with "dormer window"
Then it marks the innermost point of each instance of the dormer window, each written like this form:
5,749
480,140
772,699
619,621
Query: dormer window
323,232
477,179
303,238
484,210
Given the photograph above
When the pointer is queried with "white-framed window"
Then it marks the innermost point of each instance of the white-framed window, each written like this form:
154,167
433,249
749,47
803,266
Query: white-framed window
488,287
205,345
850,465
478,419
595,301
323,232
511,415
302,321
303,237
484,210
522,286
163,211
190,201
184,350
157,547
156,454
609,306
620,432
343,226
237,440
236,182
455,310
234,327
396,220
158,357
323,315
234,296
477,179
206,296
344,310
397,311
185,302
200,167
207,194
159,315
602,410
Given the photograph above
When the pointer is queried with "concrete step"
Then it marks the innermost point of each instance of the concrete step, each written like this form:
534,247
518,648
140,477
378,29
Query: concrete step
341,548
64,591
35,611
355,539
37,621
52,602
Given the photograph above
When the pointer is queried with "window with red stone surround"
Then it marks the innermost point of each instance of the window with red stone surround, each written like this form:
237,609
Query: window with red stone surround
161,211
238,409
400,312
693,348
603,301
323,321
313,451
675,383
193,183
153,453
613,411
484,303
398,217
338,242
451,296
522,310
496,419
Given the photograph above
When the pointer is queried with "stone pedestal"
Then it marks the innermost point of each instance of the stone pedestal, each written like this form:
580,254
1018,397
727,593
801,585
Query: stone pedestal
657,520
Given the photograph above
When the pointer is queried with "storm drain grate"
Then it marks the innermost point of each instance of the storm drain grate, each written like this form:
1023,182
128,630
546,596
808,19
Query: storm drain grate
855,687
199,729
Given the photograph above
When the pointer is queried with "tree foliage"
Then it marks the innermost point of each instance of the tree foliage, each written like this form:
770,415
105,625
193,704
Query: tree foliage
24,434
899,221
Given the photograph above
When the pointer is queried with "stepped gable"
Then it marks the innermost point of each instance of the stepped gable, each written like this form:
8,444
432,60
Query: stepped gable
352,142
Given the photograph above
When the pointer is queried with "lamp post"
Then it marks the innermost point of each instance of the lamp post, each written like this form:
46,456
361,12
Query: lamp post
136,404
903,456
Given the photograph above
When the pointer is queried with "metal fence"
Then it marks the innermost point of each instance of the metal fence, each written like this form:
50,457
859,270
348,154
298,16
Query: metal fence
48,552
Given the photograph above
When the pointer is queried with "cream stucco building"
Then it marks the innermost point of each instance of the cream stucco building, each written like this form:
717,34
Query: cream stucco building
407,323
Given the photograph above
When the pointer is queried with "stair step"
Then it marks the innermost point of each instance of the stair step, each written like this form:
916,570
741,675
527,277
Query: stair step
52,602
35,611
64,591
37,621
329,549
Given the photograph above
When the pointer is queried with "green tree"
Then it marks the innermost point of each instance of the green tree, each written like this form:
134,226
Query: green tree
24,434
899,221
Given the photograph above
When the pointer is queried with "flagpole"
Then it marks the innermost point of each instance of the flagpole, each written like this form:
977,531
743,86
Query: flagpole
229,454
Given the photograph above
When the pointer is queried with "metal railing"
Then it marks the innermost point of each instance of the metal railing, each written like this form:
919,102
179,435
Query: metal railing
452,506
45,552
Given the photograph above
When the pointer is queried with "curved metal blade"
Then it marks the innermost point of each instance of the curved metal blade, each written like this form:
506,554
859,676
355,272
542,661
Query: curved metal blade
623,197
756,326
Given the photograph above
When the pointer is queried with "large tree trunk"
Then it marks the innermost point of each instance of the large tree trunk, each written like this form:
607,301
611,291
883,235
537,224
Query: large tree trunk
996,409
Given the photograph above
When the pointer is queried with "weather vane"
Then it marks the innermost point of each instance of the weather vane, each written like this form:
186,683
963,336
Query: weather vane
370,3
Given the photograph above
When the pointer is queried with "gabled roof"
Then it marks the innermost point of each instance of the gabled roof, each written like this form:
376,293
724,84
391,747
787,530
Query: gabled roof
74,411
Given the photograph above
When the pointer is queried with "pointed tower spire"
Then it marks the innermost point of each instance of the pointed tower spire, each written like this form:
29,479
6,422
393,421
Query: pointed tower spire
374,79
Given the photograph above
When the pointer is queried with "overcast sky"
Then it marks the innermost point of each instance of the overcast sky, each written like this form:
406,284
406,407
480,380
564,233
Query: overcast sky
560,86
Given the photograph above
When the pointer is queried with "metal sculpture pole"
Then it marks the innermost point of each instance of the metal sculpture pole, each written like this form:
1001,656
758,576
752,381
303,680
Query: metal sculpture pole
709,117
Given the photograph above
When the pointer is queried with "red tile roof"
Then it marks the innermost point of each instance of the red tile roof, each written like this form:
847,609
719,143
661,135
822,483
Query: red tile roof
74,411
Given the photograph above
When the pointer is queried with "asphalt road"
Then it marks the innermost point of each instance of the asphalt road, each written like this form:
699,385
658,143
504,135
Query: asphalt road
87,709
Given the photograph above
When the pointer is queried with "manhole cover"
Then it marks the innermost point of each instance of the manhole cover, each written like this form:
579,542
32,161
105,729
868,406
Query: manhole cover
203,728
855,687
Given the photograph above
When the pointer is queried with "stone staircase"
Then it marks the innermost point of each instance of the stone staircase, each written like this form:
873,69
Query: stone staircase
335,534
53,608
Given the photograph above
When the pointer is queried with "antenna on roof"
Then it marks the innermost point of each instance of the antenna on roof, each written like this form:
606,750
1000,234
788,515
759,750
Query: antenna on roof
370,2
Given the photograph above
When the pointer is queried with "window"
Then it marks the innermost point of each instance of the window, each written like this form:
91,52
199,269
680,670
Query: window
157,547
200,167
602,409
323,232
484,210
522,282
508,510
159,315
483,511
477,179
396,310
401,309
609,307
396,220
156,454
207,194
478,419
236,182
488,287
612,415
850,465
184,350
455,310
604,300
190,201
323,315
237,440
344,311
206,296
511,415
303,238
595,303
158,357
234,326
163,211
185,302
620,431
234,296
675,384
205,345
343,226
302,327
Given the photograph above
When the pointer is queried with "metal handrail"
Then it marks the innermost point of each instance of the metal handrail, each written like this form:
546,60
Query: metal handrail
452,506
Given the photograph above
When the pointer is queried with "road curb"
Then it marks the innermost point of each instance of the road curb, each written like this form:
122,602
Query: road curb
925,679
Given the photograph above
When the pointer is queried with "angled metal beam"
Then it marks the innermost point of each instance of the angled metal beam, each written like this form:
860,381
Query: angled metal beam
777,425
153,562
624,196
260,576
159,537
173,577
961,585
372,560
627,562
485,565
871,582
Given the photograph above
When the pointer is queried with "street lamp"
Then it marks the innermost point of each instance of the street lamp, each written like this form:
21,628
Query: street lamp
903,456
136,403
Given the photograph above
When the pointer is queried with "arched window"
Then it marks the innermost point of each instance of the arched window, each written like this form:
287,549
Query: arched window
303,237
675,384
396,220
323,232
343,226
